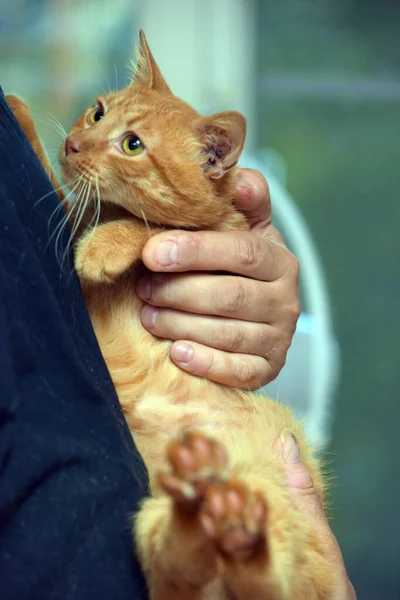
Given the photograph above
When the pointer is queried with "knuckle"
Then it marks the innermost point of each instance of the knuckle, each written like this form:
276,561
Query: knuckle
208,364
232,298
277,362
245,372
261,185
293,267
232,336
248,251
263,339
167,324
293,312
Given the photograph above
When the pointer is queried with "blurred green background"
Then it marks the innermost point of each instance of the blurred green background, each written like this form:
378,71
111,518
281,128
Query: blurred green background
330,104
325,87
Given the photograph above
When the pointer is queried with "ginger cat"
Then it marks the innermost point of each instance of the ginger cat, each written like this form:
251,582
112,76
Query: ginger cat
220,524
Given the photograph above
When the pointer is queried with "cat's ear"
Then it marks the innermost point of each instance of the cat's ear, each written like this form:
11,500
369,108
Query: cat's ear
222,138
147,71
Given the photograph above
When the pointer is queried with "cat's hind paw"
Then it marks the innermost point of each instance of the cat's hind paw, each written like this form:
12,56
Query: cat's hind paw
235,518
196,462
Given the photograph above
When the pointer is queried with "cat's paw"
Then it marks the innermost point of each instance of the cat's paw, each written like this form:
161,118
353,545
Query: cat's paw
235,518
100,257
196,462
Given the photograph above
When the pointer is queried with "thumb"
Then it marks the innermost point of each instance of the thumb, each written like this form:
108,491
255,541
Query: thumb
309,504
299,480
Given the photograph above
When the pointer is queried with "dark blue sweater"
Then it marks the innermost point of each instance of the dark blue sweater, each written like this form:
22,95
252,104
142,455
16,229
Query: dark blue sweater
70,475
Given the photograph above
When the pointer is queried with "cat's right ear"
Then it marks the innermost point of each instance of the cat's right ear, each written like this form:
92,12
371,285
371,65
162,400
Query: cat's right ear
222,138
147,71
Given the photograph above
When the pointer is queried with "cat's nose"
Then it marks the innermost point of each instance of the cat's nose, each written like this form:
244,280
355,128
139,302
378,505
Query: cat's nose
71,146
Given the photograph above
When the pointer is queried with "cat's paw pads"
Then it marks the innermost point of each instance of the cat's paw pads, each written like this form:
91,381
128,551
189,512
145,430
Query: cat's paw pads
196,461
101,260
235,518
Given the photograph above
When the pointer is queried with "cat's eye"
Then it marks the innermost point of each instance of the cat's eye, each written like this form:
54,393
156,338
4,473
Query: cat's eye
132,145
96,114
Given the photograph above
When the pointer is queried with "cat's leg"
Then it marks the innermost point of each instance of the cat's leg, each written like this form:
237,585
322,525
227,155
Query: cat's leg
105,252
23,115
235,517
266,548
177,555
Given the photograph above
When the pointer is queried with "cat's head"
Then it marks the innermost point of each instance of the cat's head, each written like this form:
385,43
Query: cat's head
152,154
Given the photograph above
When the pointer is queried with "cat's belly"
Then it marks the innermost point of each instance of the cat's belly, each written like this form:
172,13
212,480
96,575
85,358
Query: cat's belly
160,401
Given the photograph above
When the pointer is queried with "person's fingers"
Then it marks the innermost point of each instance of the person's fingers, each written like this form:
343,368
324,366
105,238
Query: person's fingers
234,370
223,334
253,198
239,252
221,295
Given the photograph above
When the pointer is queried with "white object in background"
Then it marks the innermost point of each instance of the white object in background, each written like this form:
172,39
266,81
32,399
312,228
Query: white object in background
309,380
205,50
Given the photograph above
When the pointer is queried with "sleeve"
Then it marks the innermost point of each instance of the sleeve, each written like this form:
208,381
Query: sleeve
71,476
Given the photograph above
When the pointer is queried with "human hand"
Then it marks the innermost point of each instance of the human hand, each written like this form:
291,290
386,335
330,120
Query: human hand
310,505
231,329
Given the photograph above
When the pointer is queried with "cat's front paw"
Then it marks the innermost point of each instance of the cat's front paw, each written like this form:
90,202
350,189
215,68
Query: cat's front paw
235,518
196,462
100,257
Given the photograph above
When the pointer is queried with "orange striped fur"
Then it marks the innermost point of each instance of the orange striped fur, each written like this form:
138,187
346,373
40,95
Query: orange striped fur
211,530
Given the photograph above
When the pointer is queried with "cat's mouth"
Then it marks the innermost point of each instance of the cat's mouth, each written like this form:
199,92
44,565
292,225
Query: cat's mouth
73,171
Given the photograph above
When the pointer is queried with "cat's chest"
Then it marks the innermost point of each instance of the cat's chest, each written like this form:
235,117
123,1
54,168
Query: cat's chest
159,419
166,417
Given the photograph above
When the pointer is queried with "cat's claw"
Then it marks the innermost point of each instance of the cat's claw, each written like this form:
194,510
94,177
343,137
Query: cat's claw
235,518
196,462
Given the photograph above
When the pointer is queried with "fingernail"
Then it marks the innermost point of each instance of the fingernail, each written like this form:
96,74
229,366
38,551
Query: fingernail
143,288
182,352
149,315
291,450
167,253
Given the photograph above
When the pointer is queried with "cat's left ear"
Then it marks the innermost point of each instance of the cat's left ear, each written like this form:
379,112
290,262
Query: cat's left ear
147,71
222,138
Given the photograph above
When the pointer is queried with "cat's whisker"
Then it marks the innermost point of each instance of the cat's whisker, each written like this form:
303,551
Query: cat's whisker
53,191
55,127
98,204
146,223
72,233
132,69
59,228
47,153
116,76
53,119
96,214
77,208
80,212
103,74
62,204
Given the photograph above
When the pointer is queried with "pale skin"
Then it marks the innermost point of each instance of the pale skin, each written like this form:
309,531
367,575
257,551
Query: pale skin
233,329
310,506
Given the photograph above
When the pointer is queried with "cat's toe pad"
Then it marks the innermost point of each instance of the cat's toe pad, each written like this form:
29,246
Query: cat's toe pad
196,461
235,518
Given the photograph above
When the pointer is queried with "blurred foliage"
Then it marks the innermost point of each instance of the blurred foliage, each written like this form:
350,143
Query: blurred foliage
342,154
